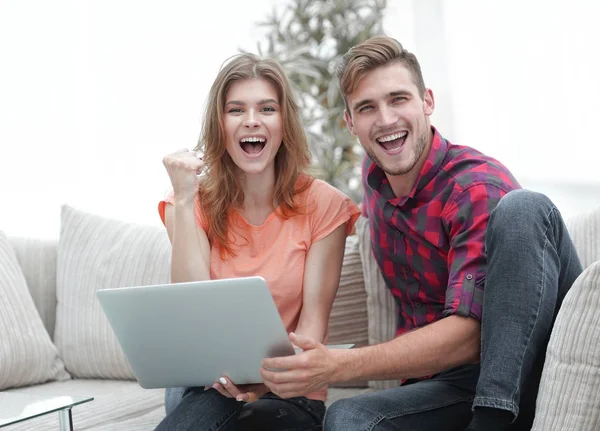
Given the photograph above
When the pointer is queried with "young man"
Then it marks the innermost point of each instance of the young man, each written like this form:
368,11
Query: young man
478,268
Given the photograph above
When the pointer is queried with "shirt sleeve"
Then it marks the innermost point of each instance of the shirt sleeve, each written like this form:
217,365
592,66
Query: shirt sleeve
169,200
466,219
328,208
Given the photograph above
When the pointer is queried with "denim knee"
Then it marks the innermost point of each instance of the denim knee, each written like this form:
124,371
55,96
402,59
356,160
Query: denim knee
522,202
518,212
173,397
347,414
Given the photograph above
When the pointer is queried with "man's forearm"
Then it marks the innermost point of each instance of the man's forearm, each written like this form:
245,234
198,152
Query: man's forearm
448,343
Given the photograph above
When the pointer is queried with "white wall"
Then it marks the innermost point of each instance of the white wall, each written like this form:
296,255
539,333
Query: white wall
517,80
94,92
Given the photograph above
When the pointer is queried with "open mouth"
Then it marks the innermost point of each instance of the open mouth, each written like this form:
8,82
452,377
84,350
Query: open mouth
392,143
253,146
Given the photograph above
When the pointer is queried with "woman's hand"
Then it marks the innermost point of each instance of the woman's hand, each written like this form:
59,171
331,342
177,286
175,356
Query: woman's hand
246,393
183,167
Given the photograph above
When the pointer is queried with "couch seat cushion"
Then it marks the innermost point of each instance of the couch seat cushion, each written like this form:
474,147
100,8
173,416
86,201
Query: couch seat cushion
117,405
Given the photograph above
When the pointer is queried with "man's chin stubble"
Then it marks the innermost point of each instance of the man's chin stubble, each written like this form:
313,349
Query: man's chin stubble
421,144
388,170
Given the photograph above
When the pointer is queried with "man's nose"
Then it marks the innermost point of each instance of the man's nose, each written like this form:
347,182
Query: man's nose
386,117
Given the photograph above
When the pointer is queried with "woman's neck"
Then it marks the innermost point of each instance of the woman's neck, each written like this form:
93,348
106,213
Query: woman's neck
258,190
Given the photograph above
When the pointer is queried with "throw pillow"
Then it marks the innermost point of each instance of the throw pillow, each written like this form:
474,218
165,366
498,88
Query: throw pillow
27,355
585,232
569,394
97,253
348,321
37,258
381,306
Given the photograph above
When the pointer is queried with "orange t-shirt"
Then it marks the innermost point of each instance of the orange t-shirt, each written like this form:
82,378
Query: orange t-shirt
277,249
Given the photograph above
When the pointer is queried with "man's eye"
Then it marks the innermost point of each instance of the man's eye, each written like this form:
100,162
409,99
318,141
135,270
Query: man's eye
399,98
365,108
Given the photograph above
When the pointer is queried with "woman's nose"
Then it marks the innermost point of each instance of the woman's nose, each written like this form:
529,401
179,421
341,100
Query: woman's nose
251,120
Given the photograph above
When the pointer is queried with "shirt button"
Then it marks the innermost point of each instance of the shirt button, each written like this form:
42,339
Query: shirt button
469,276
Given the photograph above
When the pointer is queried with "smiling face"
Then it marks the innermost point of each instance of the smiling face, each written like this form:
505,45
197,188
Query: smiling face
253,125
391,119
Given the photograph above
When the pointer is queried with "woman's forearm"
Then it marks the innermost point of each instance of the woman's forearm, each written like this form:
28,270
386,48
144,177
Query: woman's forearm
190,259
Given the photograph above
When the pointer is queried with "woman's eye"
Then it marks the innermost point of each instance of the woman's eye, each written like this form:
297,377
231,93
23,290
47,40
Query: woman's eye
235,110
268,109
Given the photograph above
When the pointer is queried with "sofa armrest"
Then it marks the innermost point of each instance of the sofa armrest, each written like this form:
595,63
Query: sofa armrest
570,384
37,259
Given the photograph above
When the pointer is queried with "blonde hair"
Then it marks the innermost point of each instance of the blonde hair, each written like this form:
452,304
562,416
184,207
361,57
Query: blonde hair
371,54
219,190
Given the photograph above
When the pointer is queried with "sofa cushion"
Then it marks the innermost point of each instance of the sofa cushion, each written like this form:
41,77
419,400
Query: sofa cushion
382,309
97,253
117,405
27,355
585,232
348,321
37,258
569,395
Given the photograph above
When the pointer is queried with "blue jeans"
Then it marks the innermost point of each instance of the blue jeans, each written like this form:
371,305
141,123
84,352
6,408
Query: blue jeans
532,263
208,410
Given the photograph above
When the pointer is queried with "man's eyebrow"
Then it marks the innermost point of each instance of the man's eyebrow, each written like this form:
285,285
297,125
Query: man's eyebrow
260,102
361,103
364,102
400,93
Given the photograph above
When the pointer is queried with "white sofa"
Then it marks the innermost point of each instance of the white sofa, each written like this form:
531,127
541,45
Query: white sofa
56,341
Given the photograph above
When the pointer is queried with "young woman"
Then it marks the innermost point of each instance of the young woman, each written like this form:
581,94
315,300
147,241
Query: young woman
254,211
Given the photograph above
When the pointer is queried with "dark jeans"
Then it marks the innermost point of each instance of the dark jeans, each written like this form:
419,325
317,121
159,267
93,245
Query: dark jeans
532,263
210,411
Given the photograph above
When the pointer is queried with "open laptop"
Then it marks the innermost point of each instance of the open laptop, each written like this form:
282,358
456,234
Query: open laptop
190,334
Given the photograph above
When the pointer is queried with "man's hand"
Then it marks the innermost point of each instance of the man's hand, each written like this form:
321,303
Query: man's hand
246,393
303,373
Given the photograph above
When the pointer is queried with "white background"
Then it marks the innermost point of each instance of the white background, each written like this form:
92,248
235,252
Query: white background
94,92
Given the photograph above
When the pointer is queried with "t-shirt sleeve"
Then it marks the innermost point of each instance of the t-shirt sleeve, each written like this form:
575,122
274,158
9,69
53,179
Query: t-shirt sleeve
329,208
162,205
169,200
466,219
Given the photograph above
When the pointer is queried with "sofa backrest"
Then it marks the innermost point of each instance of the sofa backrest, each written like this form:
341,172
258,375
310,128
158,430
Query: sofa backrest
37,259
348,322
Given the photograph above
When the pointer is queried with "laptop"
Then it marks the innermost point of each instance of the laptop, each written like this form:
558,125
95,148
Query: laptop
190,334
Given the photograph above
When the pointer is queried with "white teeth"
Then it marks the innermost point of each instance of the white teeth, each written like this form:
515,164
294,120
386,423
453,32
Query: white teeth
253,139
392,137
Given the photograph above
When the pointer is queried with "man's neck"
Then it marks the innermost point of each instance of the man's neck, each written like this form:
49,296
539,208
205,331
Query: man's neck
402,184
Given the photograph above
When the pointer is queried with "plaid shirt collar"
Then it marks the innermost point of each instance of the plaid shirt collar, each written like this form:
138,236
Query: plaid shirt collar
437,153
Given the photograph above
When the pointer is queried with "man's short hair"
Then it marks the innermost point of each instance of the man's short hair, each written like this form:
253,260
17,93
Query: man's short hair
371,54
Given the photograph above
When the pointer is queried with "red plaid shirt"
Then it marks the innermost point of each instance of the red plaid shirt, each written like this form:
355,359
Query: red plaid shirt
430,244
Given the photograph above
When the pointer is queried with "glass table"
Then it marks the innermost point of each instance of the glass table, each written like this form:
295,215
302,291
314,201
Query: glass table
18,407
